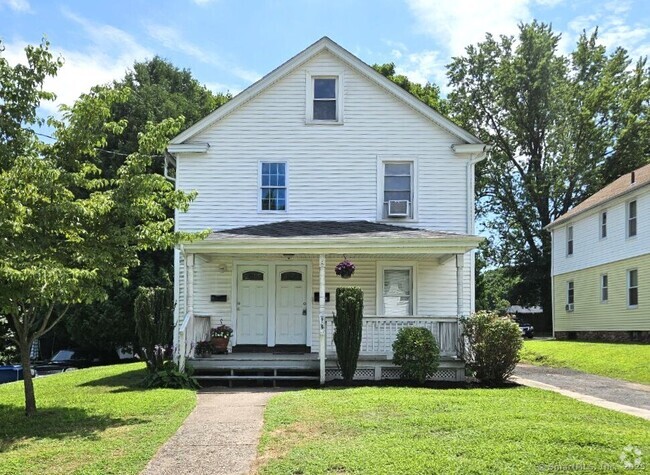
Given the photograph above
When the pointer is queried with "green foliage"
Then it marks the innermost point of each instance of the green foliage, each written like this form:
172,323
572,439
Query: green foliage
385,431
493,344
67,233
154,323
348,326
628,361
158,90
429,93
92,421
204,348
415,350
8,348
561,126
168,376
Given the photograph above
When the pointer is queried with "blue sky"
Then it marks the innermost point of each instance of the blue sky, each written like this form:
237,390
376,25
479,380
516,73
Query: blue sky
229,44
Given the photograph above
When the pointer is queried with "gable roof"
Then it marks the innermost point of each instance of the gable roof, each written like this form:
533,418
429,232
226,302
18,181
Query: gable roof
324,44
617,188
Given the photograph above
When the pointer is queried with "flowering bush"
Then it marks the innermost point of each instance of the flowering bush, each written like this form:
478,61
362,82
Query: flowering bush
222,331
345,268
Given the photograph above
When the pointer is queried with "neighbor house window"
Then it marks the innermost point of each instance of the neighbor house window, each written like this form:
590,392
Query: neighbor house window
633,288
273,189
569,241
398,190
604,288
631,218
398,292
325,99
603,224
570,297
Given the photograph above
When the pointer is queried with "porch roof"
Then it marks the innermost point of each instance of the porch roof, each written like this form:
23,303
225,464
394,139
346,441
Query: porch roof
362,237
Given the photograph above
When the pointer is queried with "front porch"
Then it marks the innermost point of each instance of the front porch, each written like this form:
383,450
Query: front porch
277,291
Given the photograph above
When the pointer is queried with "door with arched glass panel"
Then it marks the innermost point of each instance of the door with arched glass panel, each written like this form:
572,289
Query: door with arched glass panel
252,305
291,305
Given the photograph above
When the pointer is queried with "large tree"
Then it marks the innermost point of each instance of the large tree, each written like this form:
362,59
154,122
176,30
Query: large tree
66,232
159,90
561,128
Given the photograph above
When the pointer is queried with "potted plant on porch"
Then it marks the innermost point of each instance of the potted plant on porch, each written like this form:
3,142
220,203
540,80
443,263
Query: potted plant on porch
219,337
203,349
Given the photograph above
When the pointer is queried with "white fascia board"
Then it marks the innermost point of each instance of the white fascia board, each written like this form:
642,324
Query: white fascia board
188,148
360,246
362,68
473,148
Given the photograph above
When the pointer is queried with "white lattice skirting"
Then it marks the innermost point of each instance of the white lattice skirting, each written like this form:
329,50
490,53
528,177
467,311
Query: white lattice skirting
443,374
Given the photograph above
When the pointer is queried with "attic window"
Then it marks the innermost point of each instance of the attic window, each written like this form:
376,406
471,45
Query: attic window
324,99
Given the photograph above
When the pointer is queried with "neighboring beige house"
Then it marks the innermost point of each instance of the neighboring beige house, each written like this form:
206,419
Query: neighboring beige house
323,159
601,264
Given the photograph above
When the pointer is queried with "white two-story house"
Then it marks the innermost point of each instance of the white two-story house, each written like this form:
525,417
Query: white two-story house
323,160
601,264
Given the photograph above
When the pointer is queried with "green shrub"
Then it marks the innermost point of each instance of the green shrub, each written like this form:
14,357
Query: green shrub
415,350
347,329
170,377
492,346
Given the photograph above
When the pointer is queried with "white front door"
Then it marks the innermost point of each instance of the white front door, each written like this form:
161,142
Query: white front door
291,305
252,305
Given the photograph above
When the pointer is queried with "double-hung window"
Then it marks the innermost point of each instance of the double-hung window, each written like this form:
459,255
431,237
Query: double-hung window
570,295
324,99
631,219
397,292
273,186
633,288
398,190
569,241
604,288
603,225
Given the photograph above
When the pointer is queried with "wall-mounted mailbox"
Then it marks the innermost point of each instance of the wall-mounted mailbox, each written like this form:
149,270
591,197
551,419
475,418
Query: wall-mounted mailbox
317,296
218,298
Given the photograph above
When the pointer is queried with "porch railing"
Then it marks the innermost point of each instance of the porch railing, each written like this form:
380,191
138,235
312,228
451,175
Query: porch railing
379,333
194,328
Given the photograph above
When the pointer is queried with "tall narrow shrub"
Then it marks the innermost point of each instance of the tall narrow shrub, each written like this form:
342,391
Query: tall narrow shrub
154,323
347,333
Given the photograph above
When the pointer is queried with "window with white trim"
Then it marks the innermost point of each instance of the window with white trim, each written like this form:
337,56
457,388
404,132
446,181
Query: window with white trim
603,225
324,99
273,186
397,292
631,219
633,288
570,293
604,288
569,241
398,189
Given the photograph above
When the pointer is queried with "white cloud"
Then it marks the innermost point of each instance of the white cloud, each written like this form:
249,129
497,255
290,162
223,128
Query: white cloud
456,24
171,39
21,6
108,53
615,29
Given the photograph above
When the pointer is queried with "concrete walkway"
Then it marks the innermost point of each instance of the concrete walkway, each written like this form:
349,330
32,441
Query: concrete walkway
614,394
219,437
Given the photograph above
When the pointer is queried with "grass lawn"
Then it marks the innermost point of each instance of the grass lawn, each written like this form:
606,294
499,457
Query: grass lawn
91,421
617,360
417,431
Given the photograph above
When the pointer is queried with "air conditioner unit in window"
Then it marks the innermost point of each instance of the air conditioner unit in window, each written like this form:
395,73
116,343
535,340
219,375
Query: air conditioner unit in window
569,307
399,208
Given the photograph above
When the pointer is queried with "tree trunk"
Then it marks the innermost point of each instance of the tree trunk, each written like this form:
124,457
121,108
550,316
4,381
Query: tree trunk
30,398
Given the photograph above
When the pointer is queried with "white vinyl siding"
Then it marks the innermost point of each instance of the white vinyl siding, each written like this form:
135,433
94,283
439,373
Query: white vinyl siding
332,170
590,250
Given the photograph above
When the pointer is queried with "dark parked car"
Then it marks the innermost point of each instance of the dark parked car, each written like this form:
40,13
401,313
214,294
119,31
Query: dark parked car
67,359
527,330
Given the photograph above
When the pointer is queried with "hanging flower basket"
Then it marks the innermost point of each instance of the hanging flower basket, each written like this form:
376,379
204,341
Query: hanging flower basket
219,338
345,269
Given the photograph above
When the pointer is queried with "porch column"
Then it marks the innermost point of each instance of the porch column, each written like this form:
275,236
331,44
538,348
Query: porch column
459,285
321,316
189,291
